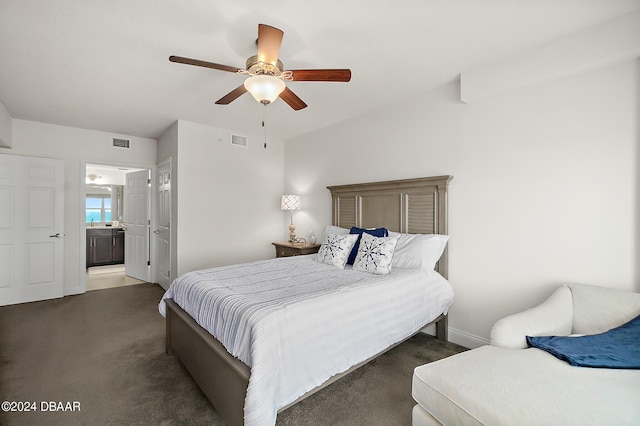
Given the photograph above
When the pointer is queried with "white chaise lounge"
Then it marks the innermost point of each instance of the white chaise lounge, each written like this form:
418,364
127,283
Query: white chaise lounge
507,384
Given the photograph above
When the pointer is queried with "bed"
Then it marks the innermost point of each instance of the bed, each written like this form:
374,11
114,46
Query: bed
292,348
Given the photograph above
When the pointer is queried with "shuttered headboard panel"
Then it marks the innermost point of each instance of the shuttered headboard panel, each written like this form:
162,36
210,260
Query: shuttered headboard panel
414,206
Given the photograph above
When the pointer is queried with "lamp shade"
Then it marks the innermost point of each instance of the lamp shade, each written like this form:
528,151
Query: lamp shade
264,88
290,202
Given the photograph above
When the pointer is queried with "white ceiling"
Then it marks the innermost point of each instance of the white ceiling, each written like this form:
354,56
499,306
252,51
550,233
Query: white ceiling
103,64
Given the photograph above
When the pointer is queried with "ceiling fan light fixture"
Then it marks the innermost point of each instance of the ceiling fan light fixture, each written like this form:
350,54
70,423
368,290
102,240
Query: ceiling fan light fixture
266,74
264,88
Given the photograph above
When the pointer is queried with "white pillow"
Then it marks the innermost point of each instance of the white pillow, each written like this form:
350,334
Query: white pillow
330,229
419,251
375,254
336,248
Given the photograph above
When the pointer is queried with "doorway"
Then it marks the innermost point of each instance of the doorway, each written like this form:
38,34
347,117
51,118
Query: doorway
163,231
104,201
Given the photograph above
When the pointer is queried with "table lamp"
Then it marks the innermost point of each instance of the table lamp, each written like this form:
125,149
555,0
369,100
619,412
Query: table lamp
292,202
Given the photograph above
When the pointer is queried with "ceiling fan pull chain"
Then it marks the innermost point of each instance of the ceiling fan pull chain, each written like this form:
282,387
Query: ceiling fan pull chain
264,127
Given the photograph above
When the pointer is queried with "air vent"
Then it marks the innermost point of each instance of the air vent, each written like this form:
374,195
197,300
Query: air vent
121,143
239,140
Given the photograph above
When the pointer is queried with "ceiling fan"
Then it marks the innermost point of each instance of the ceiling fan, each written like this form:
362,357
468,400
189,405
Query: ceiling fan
266,73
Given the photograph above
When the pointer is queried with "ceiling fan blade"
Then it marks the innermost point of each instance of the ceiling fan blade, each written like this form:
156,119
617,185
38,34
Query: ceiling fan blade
205,64
340,75
269,41
292,99
232,95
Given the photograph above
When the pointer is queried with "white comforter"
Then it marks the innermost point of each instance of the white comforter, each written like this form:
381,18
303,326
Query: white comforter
297,322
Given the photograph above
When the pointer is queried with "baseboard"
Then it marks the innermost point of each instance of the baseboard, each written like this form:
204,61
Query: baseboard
459,337
465,339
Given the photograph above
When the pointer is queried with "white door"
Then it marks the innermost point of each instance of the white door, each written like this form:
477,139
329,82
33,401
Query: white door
31,228
163,231
136,217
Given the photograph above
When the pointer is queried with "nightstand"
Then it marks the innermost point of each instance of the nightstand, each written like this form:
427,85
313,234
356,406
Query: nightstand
286,249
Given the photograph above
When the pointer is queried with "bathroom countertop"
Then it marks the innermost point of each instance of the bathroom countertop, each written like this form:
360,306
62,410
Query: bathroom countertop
103,227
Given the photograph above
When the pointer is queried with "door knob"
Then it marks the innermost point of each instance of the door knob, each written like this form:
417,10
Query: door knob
55,235
157,231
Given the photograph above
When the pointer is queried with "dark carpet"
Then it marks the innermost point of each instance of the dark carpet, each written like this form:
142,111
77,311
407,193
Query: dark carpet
102,352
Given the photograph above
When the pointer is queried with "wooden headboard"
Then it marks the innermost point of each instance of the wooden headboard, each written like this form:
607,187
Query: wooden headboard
414,206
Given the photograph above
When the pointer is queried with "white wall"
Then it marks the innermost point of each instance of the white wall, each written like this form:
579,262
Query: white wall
228,197
75,145
545,184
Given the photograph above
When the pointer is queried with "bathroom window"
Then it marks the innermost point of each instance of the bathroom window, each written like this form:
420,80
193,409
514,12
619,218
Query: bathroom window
98,208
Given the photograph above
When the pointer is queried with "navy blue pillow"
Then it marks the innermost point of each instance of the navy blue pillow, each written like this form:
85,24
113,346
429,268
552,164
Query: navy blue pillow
376,232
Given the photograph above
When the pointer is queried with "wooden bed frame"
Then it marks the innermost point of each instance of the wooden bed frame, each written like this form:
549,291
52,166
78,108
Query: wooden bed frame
416,206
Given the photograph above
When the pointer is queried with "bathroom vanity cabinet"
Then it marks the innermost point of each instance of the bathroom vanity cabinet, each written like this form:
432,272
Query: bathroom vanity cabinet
105,246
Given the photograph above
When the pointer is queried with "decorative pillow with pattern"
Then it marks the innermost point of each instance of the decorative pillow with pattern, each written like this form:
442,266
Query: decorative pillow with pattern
335,249
376,232
375,254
